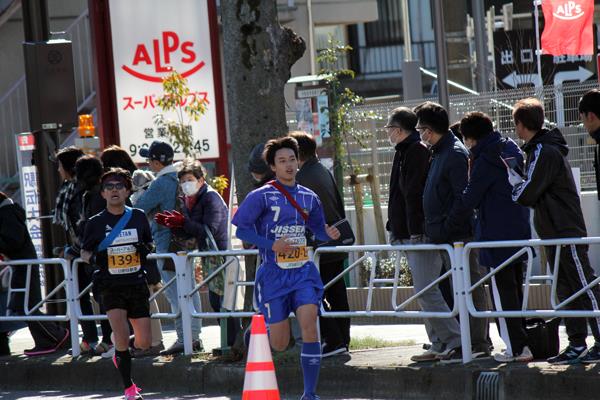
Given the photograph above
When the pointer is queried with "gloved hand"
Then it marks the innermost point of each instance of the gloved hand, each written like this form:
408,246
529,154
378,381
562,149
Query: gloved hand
175,219
161,218
514,178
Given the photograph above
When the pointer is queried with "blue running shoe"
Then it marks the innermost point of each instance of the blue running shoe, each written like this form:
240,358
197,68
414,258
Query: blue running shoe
310,397
569,355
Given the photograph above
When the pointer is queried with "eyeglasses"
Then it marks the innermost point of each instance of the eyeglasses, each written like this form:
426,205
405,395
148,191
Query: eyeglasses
112,186
392,126
422,128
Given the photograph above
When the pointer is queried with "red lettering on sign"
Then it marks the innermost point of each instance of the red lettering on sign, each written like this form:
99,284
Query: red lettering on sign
163,50
170,47
141,54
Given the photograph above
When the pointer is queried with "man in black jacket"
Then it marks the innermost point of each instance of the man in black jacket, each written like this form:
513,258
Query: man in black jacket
446,180
549,188
406,226
335,332
16,244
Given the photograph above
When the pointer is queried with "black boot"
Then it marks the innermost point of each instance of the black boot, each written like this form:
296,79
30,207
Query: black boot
4,349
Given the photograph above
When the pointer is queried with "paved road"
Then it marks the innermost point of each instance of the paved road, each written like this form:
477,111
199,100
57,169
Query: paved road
49,395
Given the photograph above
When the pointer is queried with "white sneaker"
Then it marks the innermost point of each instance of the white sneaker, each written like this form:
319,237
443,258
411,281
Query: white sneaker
505,357
109,353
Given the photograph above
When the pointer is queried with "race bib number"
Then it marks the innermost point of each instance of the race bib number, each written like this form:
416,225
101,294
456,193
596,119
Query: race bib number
297,257
123,260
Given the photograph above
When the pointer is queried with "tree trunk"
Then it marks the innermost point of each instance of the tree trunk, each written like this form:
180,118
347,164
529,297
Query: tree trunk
258,54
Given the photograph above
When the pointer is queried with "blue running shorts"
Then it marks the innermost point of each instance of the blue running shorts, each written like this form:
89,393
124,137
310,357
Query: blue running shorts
281,291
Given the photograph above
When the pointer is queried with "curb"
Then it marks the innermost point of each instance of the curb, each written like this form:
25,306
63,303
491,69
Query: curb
375,374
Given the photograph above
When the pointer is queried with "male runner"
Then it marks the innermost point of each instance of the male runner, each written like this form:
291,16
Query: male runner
287,280
119,258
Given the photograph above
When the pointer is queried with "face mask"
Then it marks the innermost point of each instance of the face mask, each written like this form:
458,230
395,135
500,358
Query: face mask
189,188
425,142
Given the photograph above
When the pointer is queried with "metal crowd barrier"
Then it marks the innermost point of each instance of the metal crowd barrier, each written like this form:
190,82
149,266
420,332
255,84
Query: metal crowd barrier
29,314
77,294
398,310
459,272
230,257
525,248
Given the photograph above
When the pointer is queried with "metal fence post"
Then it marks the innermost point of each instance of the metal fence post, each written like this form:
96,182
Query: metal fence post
72,291
460,271
183,287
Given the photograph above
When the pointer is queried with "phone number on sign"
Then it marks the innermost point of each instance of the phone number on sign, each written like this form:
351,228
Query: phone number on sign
199,146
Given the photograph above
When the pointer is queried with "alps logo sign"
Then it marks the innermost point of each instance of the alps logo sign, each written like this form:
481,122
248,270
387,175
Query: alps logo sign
174,35
160,53
568,11
568,27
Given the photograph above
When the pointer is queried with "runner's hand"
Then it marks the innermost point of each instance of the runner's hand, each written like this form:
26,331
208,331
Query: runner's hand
332,232
281,245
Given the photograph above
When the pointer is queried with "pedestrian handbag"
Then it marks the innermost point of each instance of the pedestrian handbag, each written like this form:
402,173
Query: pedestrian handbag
542,337
346,238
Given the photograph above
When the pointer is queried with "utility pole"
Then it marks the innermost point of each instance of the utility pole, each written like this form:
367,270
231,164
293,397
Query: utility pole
52,111
412,84
480,46
311,38
440,53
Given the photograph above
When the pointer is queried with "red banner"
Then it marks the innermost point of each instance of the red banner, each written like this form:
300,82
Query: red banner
568,27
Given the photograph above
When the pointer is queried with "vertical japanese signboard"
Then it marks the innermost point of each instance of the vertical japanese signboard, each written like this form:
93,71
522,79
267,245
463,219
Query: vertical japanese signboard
173,34
312,111
30,194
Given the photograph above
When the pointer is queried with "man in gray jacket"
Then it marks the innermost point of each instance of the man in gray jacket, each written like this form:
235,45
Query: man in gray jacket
335,332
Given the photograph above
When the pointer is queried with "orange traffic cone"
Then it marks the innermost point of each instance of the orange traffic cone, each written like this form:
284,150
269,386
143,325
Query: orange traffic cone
260,382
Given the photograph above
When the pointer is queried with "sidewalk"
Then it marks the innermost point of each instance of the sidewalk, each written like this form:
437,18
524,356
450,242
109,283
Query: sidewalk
380,373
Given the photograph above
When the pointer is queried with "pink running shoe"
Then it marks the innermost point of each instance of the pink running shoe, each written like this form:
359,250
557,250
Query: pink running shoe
133,393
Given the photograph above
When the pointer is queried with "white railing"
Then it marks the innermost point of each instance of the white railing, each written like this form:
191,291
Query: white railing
29,314
398,310
459,271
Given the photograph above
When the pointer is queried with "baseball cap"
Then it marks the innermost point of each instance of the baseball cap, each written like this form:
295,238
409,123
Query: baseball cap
256,163
158,150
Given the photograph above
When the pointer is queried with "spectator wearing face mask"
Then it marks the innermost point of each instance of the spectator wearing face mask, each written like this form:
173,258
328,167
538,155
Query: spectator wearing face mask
202,224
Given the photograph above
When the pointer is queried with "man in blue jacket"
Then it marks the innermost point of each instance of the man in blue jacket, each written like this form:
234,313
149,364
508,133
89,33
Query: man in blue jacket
161,196
498,218
446,180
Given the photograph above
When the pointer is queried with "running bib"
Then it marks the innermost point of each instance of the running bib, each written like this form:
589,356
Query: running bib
123,259
298,257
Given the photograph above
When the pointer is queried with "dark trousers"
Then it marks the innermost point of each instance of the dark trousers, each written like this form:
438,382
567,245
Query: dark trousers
46,334
89,328
509,283
574,273
334,331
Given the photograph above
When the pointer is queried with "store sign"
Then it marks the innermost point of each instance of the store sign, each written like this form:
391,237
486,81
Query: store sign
516,62
175,34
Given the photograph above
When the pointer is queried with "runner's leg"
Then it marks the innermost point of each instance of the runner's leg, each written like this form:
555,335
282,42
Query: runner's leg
310,358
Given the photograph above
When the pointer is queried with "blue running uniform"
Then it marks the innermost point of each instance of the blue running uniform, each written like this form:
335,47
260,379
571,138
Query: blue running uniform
284,281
